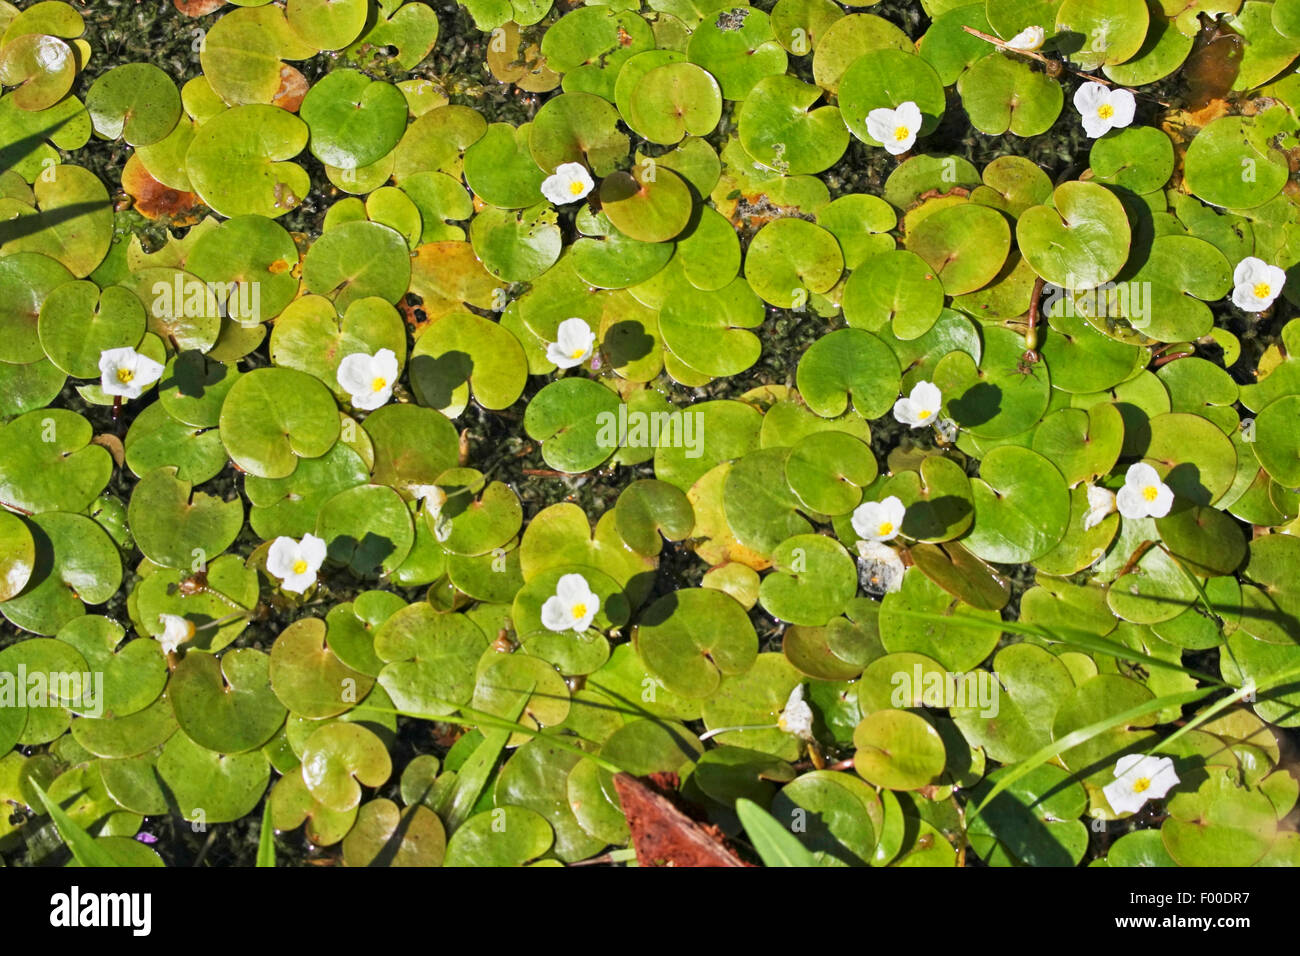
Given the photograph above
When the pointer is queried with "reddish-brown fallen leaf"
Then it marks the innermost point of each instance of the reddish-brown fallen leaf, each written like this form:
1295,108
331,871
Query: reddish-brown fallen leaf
154,200
198,8
293,87
662,832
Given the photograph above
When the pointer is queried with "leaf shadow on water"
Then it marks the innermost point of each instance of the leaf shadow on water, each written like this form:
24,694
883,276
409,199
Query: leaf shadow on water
436,378
626,341
978,404
364,557
24,226
192,374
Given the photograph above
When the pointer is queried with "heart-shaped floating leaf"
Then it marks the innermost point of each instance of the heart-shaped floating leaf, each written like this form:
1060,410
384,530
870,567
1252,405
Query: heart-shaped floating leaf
828,470
577,128
136,101
965,244
289,506
230,587
511,837
74,224
576,419
1004,395
430,658
413,445
356,260
1033,822
790,258
313,337
738,47
238,161
368,529
895,286
211,787
134,673
673,101
849,363
1079,242
47,462
354,120
17,555
42,68
462,352
254,258
898,750
79,322
1219,824
1097,33
226,705
1004,93
175,526
26,281
779,128
1022,506
386,836
327,24
338,759
651,209
885,79
690,638
812,580
274,416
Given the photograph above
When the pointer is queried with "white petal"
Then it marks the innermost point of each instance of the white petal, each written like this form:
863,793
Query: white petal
1276,279
1164,501
909,114
1089,98
1122,799
1126,763
893,510
1095,126
281,556
896,147
1101,502
356,372
926,396
368,399
572,588
297,583
1030,38
555,614
1122,102
386,365
905,412
881,123
1140,475
1249,271
866,519
554,189
1163,779
1244,298
312,550
1131,503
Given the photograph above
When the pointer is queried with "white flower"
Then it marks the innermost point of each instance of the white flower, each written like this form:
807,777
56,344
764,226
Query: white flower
1028,39
1144,495
574,342
572,606
176,631
1139,779
797,718
569,183
880,566
878,520
296,562
1101,502
896,129
920,407
126,372
1103,109
1256,284
368,379
432,496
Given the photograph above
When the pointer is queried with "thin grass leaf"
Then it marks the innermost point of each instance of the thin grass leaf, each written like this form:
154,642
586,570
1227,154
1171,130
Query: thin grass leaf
266,839
474,773
774,843
83,846
1068,636
1083,735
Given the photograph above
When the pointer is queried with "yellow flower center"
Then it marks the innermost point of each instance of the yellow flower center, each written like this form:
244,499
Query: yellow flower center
124,375
923,414
300,566
1262,290
1141,784
886,529
1105,111
1150,492
378,384
575,188
579,611
577,353
901,133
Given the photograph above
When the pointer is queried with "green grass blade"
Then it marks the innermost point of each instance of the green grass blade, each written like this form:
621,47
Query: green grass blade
774,843
1083,735
83,846
474,773
266,839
